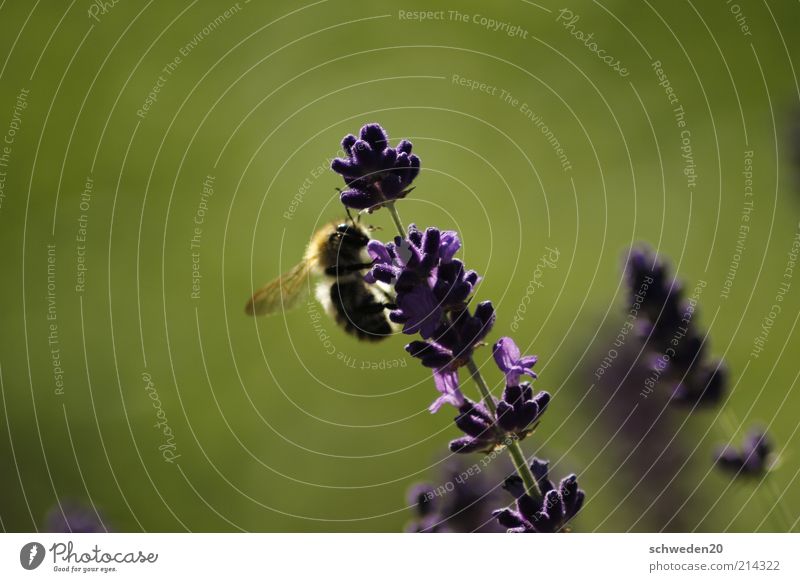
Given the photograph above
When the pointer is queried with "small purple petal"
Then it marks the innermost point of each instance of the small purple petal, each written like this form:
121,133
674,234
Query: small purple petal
506,353
447,385
449,245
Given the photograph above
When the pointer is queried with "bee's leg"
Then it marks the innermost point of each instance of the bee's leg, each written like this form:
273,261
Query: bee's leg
390,305
345,269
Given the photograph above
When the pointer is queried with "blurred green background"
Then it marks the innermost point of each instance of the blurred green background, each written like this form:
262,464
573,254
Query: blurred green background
273,432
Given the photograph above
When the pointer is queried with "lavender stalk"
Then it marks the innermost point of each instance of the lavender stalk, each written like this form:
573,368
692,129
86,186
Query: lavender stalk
514,449
434,292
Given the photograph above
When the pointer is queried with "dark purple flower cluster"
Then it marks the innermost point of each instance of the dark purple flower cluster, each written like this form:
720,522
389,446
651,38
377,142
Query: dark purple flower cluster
374,172
433,290
548,515
517,413
753,458
427,279
667,324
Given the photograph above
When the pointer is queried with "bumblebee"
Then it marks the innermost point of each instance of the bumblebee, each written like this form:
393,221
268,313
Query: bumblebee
337,254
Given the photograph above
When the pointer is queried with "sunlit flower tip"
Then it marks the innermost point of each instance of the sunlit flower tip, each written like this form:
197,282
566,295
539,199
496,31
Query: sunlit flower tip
703,387
449,391
511,362
449,245
374,172
519,410
475,421
548,515
753,459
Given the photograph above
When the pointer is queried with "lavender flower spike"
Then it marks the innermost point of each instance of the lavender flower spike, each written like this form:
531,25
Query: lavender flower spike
551,515
454,340
518,414
414,266
478,426
374,172
509,360
519,410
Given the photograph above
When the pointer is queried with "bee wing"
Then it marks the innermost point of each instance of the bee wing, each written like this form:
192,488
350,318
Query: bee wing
282,293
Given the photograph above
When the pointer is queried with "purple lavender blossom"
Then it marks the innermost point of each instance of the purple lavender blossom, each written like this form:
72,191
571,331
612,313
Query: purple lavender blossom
414,266
519,410
374,172
517,415
455,338
549,515
667,322
433,291
511,362
753,459
481,433
449,391
451,348
73,517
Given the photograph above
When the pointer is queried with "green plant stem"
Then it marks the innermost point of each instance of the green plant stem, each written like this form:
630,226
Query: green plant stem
396,218
511,443
485,394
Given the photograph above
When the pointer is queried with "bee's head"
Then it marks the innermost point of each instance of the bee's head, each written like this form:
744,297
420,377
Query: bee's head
349,234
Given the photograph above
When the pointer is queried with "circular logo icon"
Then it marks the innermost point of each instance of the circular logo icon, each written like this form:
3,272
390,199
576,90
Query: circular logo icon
31,555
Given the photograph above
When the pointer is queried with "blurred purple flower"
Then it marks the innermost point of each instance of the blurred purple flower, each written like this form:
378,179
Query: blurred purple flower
649,280
511,362
463,500
73,517
703,386
549,515
374,172
427,519
752,459
666,321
